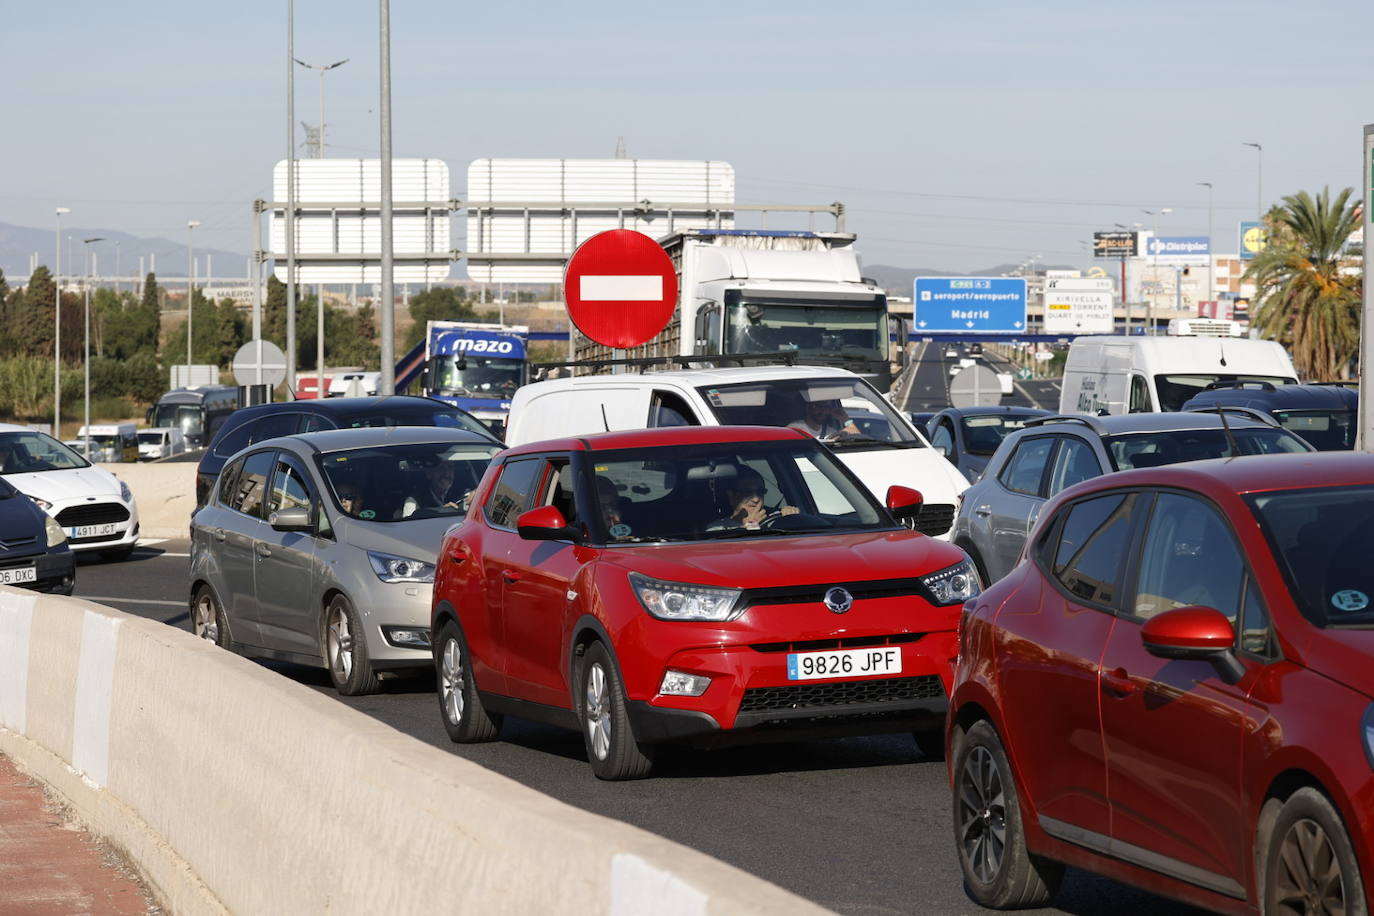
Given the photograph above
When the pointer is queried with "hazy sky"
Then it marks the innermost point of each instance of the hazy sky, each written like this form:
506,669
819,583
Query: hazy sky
959,134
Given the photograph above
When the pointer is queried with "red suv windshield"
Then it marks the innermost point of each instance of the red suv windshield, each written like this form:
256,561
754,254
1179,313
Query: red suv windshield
723,490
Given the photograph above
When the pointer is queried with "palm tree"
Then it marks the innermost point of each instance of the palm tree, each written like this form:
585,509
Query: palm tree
1305,299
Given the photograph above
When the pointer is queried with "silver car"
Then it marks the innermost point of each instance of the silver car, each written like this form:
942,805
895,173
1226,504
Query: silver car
319,548
1053,452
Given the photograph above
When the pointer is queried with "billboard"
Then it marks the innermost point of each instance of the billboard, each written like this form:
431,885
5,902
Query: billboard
1253,239
976,305
525,217
339,226
1179,248
1115,244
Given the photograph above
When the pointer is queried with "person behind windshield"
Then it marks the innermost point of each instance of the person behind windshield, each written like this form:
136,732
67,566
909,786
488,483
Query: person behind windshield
609,498
746,503
350,498
825,420
433,492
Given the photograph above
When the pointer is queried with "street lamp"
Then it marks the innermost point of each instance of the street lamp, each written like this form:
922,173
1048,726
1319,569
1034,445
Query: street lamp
1259,182
319,139
190,293
90,272
1154,266
1210,255
57,334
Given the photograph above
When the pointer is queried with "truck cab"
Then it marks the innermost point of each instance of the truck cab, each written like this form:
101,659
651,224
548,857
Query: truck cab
477,367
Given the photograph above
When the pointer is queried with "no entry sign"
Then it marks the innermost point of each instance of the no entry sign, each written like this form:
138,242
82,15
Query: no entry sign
620,288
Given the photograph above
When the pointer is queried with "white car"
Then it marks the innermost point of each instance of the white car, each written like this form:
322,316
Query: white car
95,508
869,437
160,442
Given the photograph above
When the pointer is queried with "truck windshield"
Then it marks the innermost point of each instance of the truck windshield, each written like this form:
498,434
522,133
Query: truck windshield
476,376
842,410
808,328
1175,390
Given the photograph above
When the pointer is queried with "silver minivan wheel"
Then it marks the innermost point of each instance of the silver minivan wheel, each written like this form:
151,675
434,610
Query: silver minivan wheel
339,642
345,649
207,619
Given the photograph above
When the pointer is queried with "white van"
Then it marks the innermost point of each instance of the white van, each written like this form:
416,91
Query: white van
160,442
111,442
1146,374
875,441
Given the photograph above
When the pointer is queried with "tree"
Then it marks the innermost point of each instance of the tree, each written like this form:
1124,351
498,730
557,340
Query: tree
1305,299
219,331
443,303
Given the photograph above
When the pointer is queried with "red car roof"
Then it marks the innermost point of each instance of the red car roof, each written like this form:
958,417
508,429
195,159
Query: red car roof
665,436
1257,473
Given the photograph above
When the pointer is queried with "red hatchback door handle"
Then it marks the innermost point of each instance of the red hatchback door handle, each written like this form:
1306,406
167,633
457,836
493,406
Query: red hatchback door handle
510,575
1118,683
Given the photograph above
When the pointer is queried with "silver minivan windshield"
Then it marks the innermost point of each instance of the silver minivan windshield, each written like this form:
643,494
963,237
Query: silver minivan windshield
393,483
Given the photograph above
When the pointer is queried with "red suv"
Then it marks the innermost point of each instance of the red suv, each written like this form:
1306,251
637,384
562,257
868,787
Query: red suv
692,584
1174,689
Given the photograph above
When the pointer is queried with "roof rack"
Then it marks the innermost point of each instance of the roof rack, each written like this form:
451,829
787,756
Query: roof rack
1339,384
678,362
1240,383
1249,412
1092,423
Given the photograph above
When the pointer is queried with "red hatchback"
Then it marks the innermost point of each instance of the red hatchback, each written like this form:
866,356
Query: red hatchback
1174,689
692,584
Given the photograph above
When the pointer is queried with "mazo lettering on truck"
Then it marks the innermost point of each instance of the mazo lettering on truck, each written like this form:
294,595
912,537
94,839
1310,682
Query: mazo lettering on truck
485,346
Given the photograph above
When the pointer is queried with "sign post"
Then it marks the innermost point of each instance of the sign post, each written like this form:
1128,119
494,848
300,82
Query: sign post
620,288
1365,434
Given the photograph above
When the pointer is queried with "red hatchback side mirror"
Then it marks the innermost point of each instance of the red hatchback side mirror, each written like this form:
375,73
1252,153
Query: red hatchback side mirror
904,502
544,524
1194,632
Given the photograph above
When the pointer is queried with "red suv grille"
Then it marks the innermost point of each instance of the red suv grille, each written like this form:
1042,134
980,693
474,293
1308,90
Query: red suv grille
827,697
851,642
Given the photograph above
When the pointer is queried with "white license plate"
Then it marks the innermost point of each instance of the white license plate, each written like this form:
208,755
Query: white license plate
809,666
91,531
15,576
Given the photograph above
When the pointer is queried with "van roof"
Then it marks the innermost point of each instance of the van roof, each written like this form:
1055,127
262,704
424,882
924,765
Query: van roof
1279,397
663,436
1222,355
695,377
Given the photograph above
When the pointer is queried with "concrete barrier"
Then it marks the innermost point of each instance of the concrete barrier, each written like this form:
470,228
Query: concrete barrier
238,791
165,493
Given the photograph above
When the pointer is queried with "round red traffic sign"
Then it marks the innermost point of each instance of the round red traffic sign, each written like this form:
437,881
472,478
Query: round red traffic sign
620,287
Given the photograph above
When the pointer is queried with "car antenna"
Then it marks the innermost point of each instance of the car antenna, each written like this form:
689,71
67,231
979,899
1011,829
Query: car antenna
604,422
1230,439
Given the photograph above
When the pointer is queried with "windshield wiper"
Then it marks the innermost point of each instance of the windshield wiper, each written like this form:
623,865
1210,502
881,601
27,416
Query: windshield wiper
640,539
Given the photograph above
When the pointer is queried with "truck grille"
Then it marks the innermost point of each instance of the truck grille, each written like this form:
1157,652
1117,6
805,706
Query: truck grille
92,514
829,697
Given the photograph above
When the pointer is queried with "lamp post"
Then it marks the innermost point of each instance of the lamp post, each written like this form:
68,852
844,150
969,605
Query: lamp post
86,362
1210,255
1154,266
1259,182
119,287
319,138
190,293
57,334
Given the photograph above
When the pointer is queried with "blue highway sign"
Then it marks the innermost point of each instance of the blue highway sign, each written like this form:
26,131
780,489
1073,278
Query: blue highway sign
977,305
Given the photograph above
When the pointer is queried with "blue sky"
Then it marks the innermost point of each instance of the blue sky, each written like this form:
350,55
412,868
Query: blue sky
960,135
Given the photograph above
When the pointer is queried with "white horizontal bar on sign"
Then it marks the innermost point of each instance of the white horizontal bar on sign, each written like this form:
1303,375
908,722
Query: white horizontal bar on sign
613,288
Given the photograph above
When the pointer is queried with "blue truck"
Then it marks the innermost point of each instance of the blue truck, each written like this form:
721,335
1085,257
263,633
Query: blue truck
470,364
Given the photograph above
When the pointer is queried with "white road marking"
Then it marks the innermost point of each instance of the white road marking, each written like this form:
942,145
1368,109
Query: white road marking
624,288
149,542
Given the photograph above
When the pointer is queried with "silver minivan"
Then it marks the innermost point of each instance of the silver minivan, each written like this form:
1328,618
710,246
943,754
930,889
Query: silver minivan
319,548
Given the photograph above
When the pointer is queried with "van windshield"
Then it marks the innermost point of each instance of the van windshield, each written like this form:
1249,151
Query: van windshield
843,411
1175,390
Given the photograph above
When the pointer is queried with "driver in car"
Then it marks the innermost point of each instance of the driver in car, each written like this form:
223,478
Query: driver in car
746,500
825,420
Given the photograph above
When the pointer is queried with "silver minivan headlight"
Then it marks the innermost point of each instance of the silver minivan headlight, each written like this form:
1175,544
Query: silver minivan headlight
391,568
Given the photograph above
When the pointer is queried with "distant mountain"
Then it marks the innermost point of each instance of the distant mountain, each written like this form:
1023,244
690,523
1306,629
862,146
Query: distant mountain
899,280
18,245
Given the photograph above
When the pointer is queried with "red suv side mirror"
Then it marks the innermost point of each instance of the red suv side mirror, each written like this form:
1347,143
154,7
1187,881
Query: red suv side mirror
1194,632
544,524
904,502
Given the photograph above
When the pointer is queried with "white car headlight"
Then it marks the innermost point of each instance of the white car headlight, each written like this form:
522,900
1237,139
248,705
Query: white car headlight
400,569
55,533
42,503
679,601
954,585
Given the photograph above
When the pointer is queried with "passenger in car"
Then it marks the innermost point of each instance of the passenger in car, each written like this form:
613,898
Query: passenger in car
825,420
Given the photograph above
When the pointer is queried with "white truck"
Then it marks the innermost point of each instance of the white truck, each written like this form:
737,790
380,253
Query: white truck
756,292
1120,375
